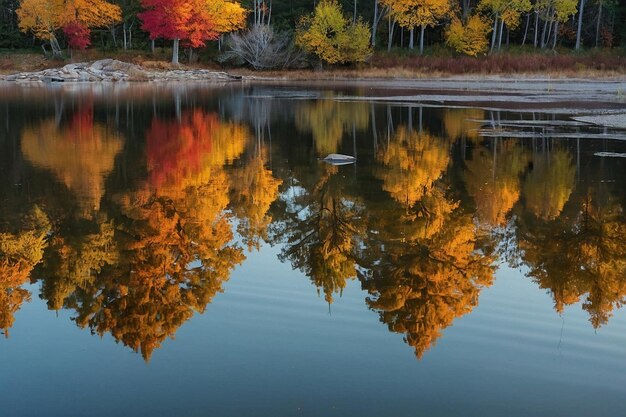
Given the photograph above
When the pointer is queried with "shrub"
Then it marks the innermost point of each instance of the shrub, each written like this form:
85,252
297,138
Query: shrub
469,39
330,35
262,48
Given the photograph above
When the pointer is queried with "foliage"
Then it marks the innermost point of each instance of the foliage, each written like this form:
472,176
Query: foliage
470,38
415,13
330,35
44,17
192,21
77,35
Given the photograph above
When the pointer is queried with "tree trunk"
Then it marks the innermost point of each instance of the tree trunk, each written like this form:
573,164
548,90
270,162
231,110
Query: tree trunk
175,51
500,34
598,24
354,17
57,53
466,7
411,33
152,46
190,56
374,23
493,35
556,33
580,23
124,39
422,40
536,27
526,30
113,36
392,26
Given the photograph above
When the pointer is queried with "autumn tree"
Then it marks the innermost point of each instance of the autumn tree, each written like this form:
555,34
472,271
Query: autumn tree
45,18
332,37
504,12
194,22
469,38
417,13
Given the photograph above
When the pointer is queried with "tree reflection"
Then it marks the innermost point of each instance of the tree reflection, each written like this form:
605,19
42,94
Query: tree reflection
80,153
328,120
549,185
320,231
426,270
493,179
152,256
579,255
21,249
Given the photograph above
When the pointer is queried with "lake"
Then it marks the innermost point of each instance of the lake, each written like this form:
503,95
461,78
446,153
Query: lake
182,250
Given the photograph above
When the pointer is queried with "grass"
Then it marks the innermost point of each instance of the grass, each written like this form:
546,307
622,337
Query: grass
396,64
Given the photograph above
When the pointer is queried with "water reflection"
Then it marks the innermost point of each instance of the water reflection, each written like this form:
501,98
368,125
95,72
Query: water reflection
134,219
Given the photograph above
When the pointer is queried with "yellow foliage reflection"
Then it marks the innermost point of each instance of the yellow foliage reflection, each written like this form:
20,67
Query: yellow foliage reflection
412,162
254,189
493,179
323,243
548,187
580,255
80,154
328,120
19,253
421,282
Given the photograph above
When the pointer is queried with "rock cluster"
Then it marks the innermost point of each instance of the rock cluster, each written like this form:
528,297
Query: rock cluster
113,70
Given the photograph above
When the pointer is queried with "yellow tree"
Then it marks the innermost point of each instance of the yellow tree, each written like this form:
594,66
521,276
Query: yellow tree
330,35
45,17
418,13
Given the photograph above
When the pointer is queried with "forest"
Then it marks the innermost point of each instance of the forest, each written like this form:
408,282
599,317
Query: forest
268,34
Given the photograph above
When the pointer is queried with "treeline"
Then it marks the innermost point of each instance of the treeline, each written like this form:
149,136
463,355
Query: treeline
335,31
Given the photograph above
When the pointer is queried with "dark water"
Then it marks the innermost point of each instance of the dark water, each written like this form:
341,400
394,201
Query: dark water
182,252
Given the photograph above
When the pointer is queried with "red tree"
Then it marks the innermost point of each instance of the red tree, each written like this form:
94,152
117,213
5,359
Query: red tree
186,20
77,35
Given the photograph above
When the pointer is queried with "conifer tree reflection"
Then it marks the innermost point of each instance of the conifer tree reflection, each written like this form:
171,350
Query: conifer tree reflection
321,230
580,254
254,189
424,266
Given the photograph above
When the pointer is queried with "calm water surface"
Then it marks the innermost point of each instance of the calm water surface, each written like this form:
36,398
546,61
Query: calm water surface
183,252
